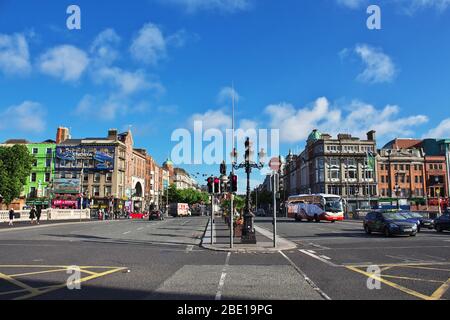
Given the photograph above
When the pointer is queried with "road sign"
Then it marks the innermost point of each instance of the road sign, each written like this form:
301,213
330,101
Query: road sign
275,164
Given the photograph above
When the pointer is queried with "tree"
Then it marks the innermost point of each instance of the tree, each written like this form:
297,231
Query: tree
15,167
189,196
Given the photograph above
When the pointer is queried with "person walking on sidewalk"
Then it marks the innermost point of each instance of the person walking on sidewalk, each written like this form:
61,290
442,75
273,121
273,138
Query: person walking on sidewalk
32,214
38,215
11,217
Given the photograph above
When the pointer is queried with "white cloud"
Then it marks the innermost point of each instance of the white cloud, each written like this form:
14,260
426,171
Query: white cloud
65,62
227,6
357,118
103,47
212,119
379,67
14,54
226,95
352,4
28,117
441,131
127,82
408,6
149,46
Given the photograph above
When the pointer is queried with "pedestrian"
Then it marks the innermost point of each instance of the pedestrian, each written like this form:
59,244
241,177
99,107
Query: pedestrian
38,215
32,214
11,217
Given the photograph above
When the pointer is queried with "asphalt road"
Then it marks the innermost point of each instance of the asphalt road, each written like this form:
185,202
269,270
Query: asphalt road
163,260
339,258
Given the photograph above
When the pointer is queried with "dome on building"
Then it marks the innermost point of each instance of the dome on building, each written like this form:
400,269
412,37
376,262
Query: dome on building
314,136
168,163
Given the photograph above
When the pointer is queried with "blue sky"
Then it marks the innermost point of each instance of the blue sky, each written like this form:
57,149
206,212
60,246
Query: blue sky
157,65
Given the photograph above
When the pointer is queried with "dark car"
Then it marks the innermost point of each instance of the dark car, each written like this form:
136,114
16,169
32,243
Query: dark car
442,223
418,219
156,215
389,223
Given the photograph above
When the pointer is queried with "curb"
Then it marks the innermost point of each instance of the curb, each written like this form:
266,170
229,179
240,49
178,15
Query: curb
288,245
47,226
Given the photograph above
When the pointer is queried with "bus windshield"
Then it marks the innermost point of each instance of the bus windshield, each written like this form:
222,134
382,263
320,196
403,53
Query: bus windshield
334,205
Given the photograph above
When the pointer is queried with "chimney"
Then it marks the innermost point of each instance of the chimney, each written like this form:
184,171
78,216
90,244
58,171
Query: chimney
62,134
372,135
113,134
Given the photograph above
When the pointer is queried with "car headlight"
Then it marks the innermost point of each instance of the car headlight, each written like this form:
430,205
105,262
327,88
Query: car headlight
414,227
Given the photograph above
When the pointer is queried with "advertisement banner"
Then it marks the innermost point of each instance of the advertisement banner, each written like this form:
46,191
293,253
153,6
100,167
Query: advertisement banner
67,186
89,158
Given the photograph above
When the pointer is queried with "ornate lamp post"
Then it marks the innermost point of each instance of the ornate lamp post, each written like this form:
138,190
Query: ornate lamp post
248,233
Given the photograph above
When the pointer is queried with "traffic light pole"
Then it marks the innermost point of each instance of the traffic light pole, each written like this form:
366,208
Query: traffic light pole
274,209
212,218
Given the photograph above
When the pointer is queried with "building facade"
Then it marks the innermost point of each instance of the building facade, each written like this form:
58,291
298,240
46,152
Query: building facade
344,166
90,172
37,188
401,176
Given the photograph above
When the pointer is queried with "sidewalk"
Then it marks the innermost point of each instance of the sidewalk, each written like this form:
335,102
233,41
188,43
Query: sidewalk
221,240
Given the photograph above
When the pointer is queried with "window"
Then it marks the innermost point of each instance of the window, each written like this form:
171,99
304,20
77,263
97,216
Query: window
49,151
96,191
35,163
396,167
109,177
86,178
383,180
408,167
48,163
97,177
402,167
33,192
416,180
108,191
47,177
35,150
74,175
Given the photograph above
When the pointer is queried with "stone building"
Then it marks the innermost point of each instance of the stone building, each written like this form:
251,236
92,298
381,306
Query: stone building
343,166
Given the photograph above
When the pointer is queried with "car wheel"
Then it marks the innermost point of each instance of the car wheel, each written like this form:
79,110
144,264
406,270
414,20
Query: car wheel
387,233
439,229
367,229
316,218
414,234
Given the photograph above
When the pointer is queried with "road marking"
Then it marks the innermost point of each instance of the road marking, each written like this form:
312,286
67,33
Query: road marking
311,251
325,257
19,284
31,292
189,248
318,258
139,229
427,268
223,277
307,279
413,279
441,291
393,285
126,232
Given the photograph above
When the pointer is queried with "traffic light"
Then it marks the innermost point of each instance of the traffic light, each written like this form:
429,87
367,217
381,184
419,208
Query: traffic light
223,168
210,185
234,183
216,185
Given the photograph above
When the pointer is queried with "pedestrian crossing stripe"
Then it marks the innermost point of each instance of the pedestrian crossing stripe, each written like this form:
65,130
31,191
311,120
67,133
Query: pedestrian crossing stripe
27,292
437,295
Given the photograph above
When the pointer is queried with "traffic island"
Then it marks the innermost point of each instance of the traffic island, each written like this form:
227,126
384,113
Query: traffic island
221,240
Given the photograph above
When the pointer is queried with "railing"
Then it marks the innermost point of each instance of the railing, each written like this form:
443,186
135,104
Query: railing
48,215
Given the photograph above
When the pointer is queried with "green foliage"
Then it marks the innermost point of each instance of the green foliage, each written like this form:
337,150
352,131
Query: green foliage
239,204
189,196
15,167
264,197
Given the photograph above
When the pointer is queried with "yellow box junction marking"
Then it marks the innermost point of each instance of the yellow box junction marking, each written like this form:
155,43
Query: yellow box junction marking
30,292
437,295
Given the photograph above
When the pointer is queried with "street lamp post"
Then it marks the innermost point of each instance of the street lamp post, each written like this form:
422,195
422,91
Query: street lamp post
248,233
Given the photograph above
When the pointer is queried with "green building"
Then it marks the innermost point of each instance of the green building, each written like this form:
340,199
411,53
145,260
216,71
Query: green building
38,186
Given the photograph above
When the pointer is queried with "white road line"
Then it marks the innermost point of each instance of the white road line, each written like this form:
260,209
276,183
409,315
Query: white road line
222,278
325,257
189,248
127,232
318,258
307,279
139,229
311,251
